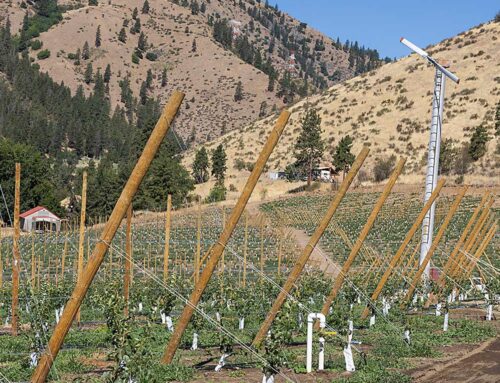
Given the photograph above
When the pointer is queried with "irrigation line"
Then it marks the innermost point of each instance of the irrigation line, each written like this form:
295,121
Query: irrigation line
199,311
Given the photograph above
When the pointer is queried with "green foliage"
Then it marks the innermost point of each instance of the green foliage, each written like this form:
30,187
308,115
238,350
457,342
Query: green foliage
122,36
135,58
151,56
219,167
145,7
447,157
88,75
37,187
342,156
42,55
309,148
478,141
217,193
36,45
200,166
98,38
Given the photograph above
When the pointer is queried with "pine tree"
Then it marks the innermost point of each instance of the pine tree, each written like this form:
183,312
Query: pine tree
93,3
78,55
164,78
122,36
149,79
86,51
142,42
219,168
342,156
193,46
200,166
135,12
478,141
195,8
203,7
238,94
145,7
98,37
107,74
309,147
88,74
137,26
143,93
270,84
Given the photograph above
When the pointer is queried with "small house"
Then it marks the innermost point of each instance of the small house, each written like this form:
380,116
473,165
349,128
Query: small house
40,219
324,173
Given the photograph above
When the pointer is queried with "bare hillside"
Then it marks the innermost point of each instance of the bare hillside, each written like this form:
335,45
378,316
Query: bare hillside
389,110
208,73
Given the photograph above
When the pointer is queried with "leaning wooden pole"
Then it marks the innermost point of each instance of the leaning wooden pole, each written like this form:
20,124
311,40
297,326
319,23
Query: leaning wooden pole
217,249
128,259
304,256
451,259
403,246
364,233
128,192
81,240
16,261
432,249
166,250
480,250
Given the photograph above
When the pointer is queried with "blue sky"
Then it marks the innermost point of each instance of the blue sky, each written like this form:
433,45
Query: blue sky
380,23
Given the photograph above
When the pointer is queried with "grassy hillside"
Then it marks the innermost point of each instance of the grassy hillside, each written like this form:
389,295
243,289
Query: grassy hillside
389,109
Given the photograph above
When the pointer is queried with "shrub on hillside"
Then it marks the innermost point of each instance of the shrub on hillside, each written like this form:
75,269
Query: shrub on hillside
383,168
42,55
151,56
36,45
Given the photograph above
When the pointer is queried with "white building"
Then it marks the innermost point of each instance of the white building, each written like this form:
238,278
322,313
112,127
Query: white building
40,219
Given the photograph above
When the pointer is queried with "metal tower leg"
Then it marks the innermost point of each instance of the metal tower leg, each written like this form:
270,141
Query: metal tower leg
432,165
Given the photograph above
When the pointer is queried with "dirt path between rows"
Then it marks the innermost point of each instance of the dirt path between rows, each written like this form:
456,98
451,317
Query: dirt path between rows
480,365
318,258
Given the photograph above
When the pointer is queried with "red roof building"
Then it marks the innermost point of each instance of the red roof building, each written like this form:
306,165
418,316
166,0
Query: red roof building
40,219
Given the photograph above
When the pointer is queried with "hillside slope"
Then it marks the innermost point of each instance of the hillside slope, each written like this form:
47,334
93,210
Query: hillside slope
389,109
208,75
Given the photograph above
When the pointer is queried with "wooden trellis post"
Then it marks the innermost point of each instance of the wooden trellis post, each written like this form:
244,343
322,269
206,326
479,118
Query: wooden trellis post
362,236
435,243
166,250
261,248
451,259
245,251
16,261
81,240
461,258
403,246
65,252
304,256
217,249
197,257
480,250
128,258
109,231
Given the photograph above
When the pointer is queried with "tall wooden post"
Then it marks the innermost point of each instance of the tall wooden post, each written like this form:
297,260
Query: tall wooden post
16,261
166,249
245,251
197,257
303,258
435,243
480,250
218,247
364,233
109,231
261,248
403,246
81,241
128,258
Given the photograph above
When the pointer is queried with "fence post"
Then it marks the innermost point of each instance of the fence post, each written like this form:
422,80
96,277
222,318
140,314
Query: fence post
17,258
166,250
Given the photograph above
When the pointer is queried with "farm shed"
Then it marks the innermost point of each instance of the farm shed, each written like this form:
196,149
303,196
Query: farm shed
40,219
